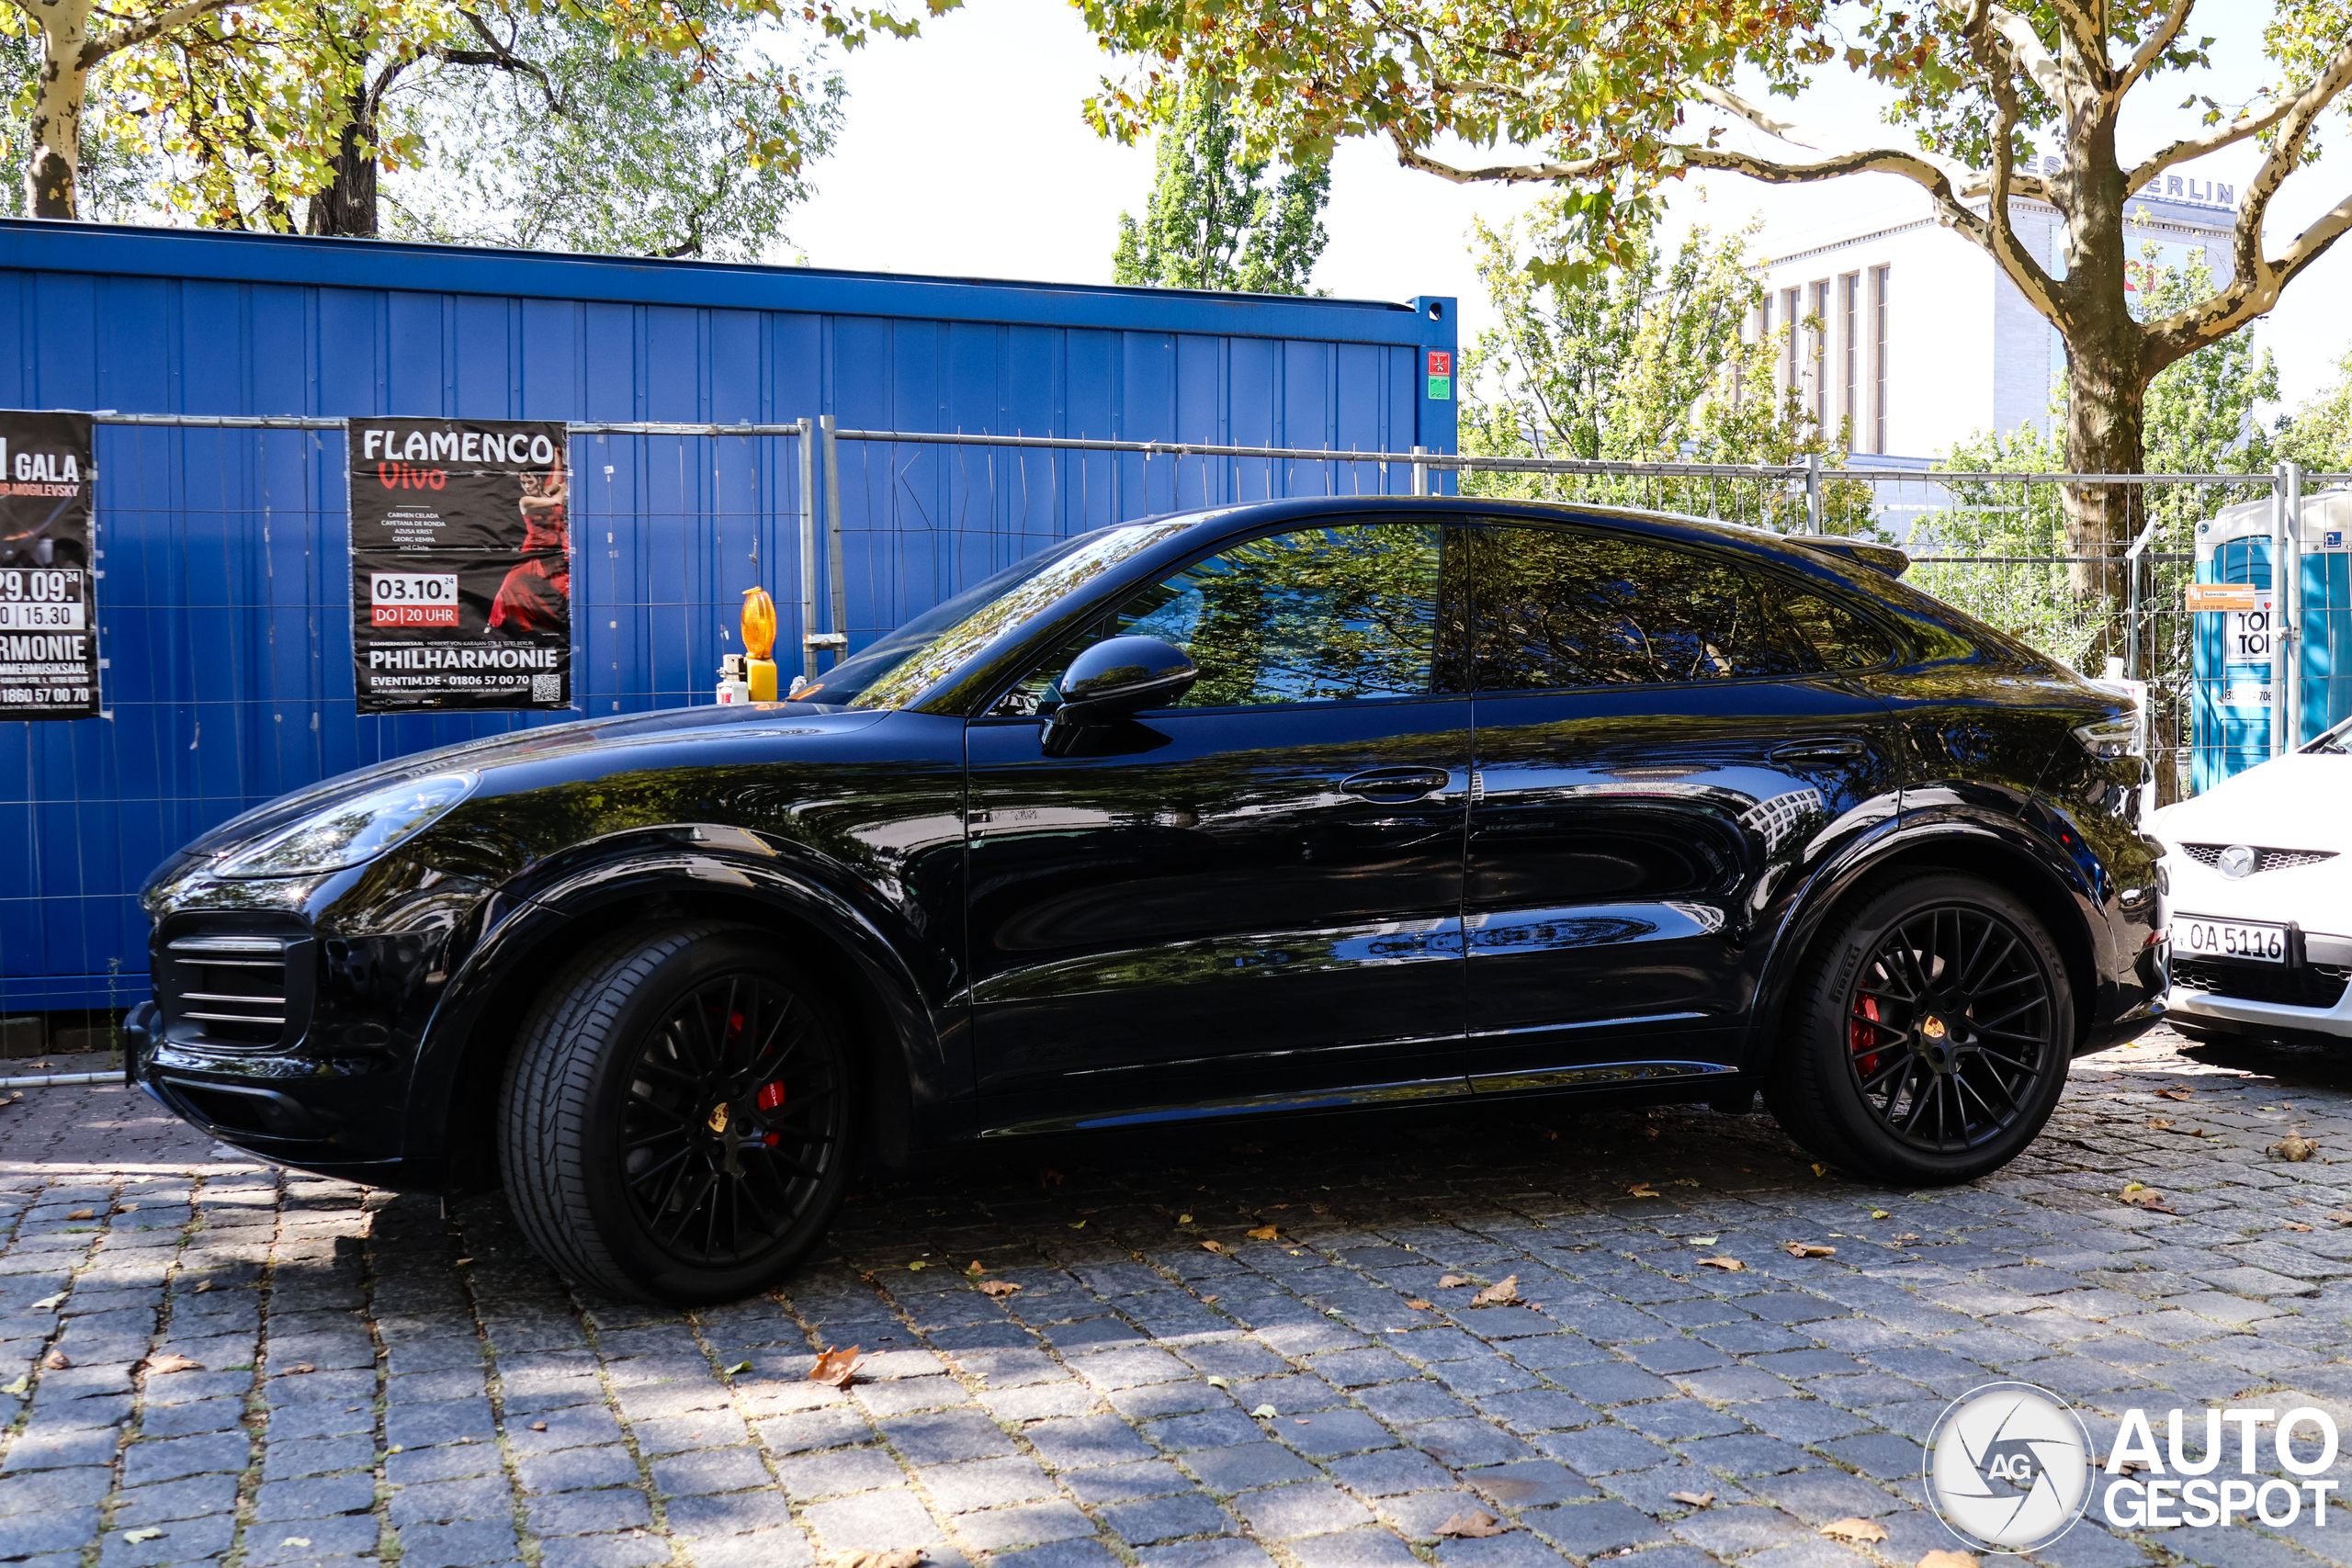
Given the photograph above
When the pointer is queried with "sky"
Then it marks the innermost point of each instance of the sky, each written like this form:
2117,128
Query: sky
964,153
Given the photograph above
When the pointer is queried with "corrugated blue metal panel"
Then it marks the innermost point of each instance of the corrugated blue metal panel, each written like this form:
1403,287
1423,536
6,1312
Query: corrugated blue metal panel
225,613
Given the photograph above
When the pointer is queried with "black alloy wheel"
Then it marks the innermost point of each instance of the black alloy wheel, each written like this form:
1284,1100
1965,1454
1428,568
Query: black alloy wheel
679,1115
1948,1028
1928,1034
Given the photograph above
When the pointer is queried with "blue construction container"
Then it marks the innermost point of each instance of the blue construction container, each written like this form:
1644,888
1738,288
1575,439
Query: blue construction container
224,607
2231,698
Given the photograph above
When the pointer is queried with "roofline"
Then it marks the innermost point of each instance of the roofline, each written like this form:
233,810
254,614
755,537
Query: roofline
302,261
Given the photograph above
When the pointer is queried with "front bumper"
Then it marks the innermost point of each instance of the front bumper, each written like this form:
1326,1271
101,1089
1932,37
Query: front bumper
2229,993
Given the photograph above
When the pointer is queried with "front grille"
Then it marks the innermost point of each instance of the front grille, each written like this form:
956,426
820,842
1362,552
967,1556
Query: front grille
226,989
2315,985
2264,858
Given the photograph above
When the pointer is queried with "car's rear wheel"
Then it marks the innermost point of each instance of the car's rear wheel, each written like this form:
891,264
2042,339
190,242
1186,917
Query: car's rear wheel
678,1114
1928,1036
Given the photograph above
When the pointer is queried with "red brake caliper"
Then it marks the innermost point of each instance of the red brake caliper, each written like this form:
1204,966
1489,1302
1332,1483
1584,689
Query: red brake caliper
1865,1036
772,1099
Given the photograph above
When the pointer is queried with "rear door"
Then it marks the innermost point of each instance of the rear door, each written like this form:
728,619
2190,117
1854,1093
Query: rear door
1252,895
1666,740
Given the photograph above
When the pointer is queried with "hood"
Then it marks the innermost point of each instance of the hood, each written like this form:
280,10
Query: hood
2295,802
491,753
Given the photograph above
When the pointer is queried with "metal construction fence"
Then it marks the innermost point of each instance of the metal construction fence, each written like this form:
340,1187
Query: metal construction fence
225,599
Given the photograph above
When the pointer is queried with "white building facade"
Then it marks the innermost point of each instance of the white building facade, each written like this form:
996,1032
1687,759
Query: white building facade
1910,340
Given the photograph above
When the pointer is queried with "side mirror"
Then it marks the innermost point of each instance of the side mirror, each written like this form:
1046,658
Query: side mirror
1118,678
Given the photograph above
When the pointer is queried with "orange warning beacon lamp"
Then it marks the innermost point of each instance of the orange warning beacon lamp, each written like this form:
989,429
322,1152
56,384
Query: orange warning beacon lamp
750,676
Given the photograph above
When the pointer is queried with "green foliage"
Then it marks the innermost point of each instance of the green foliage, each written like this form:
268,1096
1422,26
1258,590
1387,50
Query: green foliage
1213,219
623,152
1644,363
2319,434
114,170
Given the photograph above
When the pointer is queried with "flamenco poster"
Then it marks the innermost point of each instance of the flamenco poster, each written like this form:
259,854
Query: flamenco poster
460,564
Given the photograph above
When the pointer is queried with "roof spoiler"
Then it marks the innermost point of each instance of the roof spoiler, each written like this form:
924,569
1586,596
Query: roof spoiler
1866,552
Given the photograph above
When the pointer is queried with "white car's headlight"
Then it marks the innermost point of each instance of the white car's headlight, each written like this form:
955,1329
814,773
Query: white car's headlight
351,833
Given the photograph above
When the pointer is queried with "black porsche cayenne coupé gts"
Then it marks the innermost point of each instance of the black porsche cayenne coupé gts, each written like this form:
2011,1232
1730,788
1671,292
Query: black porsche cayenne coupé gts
1307,806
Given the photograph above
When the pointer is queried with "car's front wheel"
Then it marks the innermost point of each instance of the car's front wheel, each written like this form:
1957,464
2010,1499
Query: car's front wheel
677,1115
1928,1036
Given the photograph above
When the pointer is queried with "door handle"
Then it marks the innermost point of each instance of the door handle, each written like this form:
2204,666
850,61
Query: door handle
1391,786
1820,751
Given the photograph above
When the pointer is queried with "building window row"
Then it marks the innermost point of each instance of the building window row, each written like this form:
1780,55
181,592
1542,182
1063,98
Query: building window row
1835,357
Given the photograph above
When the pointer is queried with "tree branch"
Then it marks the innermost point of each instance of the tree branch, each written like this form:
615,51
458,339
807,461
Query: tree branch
2158,41
2000,239
2019,41
2211,320
2191,147
1965,181
152,27
2286,153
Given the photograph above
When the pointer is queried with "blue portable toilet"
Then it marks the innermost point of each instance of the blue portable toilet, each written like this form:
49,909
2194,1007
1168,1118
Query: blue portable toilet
2232,696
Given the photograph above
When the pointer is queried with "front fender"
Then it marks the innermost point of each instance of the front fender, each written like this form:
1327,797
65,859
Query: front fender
925,1081
1954,834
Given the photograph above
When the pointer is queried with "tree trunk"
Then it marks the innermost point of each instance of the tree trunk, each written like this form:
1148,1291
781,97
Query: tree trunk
2106,394
52,172
348,206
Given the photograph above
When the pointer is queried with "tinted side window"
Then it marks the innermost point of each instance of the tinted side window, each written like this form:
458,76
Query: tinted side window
1318,614
1314,616
1554,607
1843,639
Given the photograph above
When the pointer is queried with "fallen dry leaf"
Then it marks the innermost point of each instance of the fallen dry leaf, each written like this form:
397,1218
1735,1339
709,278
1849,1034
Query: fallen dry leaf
89,1214
295,1540
172,1362
1693,1499
1729,1265
1213,1247
148,1532
301,1367
2174,1093
1908,1236
1941,1559
906,1557
1880,1214
47,1302
1854,1529
1265,1413
1248,1149
1418,1305
1471,1524
998,1287
1809,1249
2291,1225
2341,1216
1448,1281
2293,1147
202,1286
1049,1177
1505,1294
56,1361
1641,1190
835,1368
2160,1124
1263,1232
2147,1198
538,1426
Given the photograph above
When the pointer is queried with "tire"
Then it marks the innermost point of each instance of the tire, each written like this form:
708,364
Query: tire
1913,1054
614,1165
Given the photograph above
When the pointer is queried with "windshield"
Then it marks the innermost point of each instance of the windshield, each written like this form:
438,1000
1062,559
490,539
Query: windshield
903,665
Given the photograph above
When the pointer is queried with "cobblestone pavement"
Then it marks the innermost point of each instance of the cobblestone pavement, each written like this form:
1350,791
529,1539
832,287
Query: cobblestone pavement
1218,1353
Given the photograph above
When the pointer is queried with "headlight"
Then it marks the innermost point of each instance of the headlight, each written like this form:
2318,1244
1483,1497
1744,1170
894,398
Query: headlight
352,833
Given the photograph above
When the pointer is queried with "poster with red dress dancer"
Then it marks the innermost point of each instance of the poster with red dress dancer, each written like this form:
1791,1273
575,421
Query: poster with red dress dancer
460,564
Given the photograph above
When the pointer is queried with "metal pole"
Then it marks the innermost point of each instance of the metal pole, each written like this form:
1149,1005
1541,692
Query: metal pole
840,627
2278,612
807,547
1815,517
1421,472
2291,608
2133,560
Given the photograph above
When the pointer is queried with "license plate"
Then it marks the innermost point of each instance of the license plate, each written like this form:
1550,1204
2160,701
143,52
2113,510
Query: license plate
2198,936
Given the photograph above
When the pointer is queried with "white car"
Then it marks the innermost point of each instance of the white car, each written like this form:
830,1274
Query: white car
2261,877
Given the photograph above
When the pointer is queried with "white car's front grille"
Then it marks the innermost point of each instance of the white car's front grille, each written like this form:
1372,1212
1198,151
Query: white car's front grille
2264,859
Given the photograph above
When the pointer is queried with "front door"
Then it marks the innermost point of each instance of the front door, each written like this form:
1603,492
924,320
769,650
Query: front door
1249,896
1664,746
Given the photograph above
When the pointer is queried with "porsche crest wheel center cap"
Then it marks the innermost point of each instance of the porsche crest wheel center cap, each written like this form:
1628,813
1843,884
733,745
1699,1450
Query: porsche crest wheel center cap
717,1120
1932,1027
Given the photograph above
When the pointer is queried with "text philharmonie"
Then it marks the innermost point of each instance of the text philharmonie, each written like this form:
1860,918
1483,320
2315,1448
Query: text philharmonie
463,658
